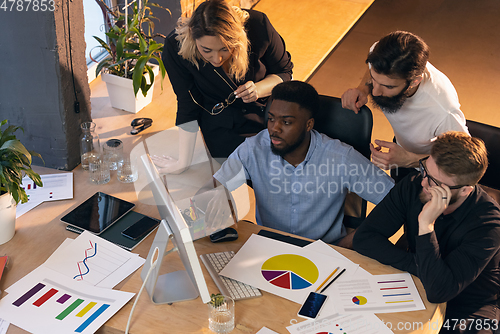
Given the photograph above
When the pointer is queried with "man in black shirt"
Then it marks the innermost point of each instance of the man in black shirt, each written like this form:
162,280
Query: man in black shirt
453,233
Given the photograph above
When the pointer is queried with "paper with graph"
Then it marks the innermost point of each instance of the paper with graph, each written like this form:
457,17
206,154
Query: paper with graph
356,323
46,302
377,294
283,269
93,260
55,187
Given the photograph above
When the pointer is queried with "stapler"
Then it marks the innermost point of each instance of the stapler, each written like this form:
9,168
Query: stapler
140,124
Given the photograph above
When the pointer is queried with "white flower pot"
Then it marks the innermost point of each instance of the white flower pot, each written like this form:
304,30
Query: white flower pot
121,92
7,217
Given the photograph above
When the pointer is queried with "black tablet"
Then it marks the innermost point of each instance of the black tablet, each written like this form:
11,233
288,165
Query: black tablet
98,212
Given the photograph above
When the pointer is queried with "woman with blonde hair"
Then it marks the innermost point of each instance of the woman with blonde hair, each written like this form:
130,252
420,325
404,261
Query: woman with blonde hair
223,63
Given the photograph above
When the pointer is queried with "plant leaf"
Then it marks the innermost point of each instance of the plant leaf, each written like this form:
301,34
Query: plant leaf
138,76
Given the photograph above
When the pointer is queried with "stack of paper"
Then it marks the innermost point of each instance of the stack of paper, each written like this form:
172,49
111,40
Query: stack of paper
72,291
292,272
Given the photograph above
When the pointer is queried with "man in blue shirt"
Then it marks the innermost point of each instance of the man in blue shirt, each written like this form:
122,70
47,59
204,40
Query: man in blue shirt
301,177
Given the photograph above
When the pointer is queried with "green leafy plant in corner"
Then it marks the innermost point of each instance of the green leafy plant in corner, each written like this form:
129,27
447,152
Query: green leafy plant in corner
130,47
15,162
216,300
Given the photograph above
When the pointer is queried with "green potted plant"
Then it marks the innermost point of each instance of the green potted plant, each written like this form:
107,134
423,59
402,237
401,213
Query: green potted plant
130,47
15,163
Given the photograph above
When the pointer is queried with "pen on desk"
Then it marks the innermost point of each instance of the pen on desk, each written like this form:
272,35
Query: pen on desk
333,273
333,280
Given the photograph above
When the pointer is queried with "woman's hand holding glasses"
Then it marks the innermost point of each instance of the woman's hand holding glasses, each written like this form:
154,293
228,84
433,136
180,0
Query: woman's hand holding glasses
247,92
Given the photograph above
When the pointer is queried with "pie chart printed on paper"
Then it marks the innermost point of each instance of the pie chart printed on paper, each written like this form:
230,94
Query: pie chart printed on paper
290,271
359,300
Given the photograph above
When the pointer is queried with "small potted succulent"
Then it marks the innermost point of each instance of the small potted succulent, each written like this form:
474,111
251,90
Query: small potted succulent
130,47
15,163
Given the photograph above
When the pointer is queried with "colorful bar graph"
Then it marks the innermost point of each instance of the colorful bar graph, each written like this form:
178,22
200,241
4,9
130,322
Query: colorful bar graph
69,309
86,309
63,298
90,319
39,302
28,294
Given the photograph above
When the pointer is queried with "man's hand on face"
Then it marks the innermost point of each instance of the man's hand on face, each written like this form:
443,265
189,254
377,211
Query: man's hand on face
440,198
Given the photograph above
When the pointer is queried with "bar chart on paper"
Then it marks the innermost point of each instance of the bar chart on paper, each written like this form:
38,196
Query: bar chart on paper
46,302
379,294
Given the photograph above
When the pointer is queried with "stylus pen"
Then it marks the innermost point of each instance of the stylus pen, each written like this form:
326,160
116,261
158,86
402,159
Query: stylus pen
330,276
333,280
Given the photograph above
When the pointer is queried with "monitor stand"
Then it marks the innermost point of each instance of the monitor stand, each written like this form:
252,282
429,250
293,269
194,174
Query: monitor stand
168,288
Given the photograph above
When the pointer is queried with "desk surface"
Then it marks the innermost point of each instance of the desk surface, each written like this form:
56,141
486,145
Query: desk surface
29,248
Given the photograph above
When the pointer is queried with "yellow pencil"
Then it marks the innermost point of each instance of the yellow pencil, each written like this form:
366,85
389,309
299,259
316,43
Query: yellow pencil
319,287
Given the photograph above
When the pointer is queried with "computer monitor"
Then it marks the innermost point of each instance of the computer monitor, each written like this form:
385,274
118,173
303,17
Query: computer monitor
178,285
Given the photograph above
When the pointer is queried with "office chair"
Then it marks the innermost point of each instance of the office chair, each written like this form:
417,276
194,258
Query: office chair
491,137
350,128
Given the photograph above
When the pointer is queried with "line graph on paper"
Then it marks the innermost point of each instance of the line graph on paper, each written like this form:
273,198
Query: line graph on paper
97,262
83,268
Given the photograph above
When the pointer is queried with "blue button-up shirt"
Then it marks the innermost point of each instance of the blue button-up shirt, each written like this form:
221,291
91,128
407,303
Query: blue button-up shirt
307,200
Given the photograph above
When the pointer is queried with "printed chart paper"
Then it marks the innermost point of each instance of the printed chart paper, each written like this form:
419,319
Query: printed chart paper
331,306
342,324
94,260
323,248
282,269
265,330
378,294
46,302
55,187
4,326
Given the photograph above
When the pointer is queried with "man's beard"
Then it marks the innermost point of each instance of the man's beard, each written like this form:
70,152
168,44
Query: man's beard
288,148
424,198
390,104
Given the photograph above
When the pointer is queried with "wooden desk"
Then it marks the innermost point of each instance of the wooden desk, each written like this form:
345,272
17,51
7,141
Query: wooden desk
39,232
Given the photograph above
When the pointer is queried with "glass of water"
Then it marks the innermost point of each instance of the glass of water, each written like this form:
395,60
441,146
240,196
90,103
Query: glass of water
127,170
112,152
98,170
221,314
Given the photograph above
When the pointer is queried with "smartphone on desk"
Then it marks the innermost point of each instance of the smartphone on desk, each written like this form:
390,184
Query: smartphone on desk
312,306
140,228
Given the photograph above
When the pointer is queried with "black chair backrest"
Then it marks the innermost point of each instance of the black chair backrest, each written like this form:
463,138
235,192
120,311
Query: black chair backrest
345,125
491,137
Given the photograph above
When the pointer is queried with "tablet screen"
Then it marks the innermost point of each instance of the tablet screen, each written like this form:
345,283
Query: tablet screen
98,212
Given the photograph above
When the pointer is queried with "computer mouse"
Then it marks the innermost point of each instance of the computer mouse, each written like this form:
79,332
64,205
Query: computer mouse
227,234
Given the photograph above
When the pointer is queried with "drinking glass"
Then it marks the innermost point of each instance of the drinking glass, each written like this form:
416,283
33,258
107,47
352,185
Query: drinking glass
221,314
98,170
113,152
127,170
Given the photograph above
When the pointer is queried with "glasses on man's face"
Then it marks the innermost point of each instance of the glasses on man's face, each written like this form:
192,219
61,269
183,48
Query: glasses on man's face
425,174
